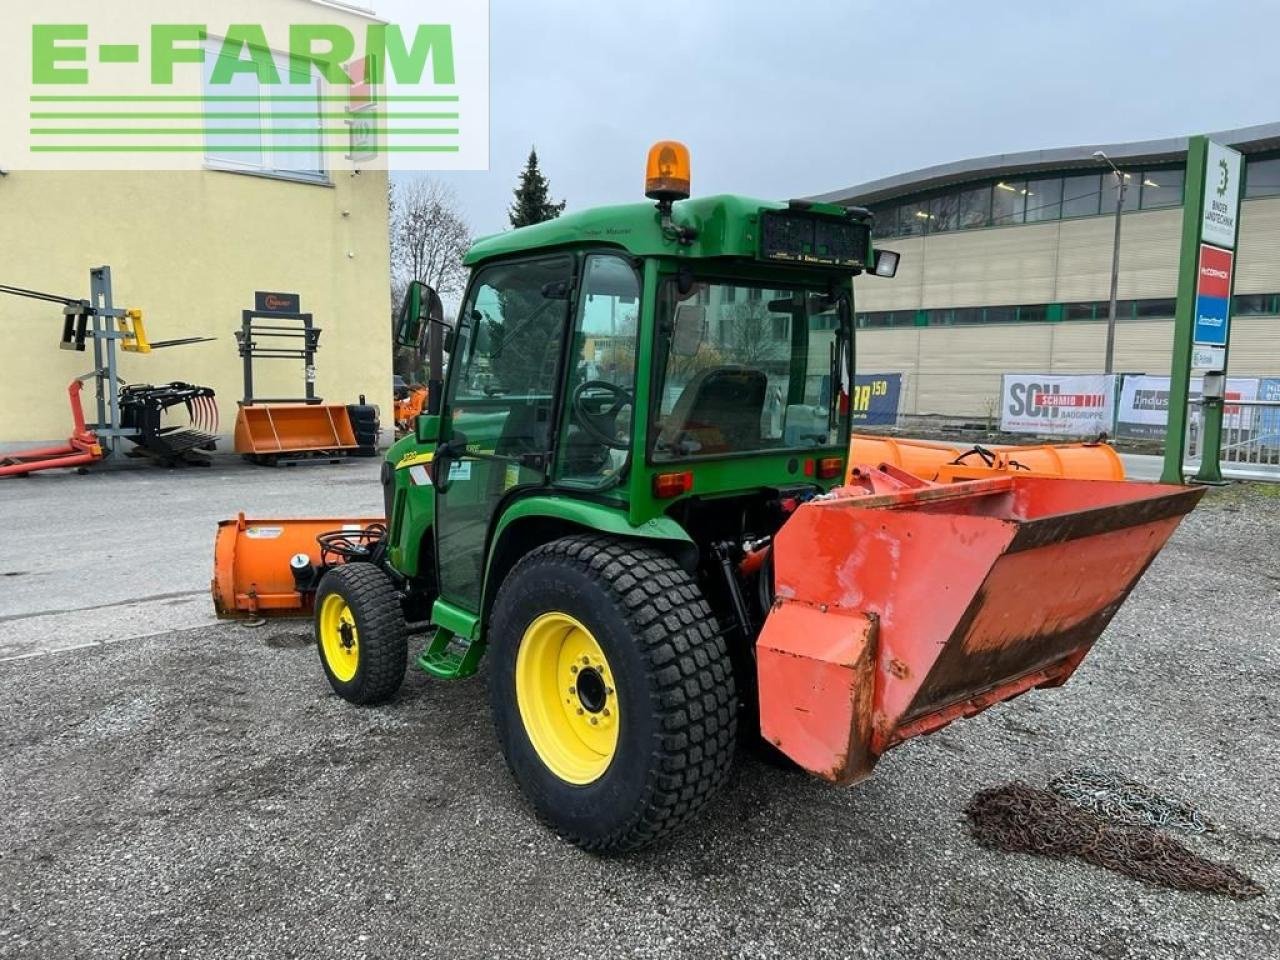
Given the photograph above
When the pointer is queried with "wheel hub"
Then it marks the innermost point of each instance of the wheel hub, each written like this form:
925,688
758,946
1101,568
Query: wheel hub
592,692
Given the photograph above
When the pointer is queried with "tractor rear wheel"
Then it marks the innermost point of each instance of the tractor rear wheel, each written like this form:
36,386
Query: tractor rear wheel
361,633
611,690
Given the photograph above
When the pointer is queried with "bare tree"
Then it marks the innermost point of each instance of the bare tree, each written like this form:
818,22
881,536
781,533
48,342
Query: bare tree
429,238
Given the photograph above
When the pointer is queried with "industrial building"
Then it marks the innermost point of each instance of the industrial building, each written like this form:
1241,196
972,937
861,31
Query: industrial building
1006,267
190,249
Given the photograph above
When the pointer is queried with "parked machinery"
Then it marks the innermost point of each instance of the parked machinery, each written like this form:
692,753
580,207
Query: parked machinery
657,559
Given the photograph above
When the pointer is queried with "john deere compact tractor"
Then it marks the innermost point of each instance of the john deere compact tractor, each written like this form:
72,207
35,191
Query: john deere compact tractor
629,493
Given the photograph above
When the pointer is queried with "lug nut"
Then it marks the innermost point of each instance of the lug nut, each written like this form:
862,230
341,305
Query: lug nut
574,668
594,721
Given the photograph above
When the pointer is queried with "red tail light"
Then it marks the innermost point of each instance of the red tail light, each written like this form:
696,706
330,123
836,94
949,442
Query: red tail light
668,485
829,467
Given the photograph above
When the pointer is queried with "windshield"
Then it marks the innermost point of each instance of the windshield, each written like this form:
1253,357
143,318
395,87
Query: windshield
743,368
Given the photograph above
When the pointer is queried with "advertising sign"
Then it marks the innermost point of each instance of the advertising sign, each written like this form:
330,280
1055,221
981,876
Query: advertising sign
1144,404
1058,406
875,399
268,302
1221,196
1213,296
1269,417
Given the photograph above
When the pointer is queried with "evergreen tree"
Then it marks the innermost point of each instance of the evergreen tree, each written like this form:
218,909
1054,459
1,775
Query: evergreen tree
533,196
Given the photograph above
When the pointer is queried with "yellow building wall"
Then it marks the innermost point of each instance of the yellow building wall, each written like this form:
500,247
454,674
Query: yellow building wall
190,249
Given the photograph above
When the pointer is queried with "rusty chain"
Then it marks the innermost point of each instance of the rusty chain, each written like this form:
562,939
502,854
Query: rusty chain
1117,798
1018,817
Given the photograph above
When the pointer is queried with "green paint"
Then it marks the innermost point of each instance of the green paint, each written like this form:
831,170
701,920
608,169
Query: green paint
1175,441
47,53
339,48
166,52
118,53
236,148
225,98
237,132
241,39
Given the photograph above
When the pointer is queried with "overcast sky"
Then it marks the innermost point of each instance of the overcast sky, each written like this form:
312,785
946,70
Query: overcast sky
785,98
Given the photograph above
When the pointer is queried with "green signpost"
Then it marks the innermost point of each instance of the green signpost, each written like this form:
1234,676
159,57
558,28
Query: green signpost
1202,323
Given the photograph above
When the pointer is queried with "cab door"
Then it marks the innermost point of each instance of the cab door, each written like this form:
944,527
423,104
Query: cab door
501,402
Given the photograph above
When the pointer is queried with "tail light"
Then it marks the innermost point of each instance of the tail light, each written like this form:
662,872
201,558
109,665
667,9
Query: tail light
829,467
668,485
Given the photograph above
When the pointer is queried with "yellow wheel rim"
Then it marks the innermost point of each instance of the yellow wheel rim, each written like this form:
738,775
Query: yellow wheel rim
339,639
565,690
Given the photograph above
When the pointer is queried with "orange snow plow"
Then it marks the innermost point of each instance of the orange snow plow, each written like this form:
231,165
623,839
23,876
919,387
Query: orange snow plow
902,605
947,462
265,568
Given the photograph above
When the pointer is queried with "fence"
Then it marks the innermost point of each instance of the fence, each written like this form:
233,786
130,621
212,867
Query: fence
1250,439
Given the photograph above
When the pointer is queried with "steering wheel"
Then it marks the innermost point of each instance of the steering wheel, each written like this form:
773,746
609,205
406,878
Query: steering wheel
588,419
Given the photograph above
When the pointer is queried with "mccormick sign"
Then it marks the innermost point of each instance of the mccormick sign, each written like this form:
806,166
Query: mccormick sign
277,87
1057,406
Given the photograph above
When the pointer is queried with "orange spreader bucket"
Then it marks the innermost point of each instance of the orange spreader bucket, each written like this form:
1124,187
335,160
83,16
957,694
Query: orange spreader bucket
903,605
251,574
945,462
269,429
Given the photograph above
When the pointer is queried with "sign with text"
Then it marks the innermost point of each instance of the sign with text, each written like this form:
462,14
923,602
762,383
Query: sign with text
297,89
1143,413
1213,296
1221,196
267,302
1057,406
875,399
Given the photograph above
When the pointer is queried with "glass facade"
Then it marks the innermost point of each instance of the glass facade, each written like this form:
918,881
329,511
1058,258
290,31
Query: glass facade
1013,200
1156,308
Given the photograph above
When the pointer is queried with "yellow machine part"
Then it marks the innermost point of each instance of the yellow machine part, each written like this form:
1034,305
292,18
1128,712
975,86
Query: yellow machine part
948,462
135,332
273,428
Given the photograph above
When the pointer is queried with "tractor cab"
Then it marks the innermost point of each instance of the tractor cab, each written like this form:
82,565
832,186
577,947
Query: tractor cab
628,366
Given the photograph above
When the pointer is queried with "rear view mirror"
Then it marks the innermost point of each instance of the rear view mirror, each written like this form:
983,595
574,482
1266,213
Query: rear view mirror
420,308
690,329
886,263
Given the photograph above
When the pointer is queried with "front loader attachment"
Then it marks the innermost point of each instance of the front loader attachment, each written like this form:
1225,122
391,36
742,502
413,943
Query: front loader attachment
902,605
253,575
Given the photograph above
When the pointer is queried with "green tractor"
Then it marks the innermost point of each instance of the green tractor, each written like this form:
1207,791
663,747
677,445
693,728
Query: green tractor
637,400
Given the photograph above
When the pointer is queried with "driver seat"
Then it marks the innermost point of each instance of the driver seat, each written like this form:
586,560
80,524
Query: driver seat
721,409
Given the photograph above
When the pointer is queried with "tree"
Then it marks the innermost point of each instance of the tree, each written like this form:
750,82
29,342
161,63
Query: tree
429,238
533,196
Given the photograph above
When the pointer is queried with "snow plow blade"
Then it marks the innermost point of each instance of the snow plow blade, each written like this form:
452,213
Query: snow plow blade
903,605
251,572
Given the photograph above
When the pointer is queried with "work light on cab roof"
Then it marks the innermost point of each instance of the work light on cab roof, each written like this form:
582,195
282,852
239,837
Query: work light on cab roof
667,174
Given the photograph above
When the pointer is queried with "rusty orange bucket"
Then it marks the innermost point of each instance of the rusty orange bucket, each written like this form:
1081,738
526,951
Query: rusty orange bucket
902,605
271,429
945,462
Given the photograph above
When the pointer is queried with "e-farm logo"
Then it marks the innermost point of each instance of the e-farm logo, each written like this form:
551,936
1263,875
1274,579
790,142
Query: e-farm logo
274,96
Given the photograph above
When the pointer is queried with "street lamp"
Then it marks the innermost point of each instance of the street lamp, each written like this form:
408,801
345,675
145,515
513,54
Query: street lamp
1115,260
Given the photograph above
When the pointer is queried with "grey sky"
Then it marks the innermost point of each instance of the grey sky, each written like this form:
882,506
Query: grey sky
783,98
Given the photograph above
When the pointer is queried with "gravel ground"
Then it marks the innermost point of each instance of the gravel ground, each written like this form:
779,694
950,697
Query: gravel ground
203,794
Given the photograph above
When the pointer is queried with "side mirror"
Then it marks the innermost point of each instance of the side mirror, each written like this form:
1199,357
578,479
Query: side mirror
421,306
427,428
886,263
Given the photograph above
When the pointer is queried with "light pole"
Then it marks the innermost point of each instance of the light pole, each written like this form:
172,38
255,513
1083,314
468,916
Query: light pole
1115,261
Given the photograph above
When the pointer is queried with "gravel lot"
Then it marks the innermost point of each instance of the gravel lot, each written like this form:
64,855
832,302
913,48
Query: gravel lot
201,793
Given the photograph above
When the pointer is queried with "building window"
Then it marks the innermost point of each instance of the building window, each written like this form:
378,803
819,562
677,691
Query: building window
1160,309
912,219
943,212
282,137
1081,195
1162,188
975,208
886,223
1044,199
1262,178
1008,202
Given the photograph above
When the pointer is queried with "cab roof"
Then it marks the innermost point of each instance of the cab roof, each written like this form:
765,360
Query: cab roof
726,225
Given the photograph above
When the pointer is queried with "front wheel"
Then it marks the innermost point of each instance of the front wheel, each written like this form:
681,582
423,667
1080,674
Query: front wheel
611,691
361,633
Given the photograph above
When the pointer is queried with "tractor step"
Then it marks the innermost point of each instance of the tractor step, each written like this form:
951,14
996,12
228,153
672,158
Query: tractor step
450,657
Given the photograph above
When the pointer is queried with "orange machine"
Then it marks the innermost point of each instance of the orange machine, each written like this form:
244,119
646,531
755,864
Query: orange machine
946,462
409,408
268,431
264,567
902,605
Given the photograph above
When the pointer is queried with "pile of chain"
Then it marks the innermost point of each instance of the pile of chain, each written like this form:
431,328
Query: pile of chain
1122,800
1020,818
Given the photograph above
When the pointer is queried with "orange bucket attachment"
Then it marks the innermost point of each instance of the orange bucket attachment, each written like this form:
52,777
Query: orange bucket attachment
273,428
902,605
945,462
252,576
